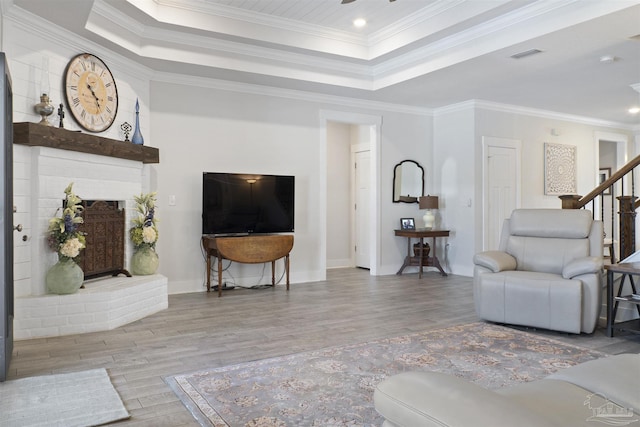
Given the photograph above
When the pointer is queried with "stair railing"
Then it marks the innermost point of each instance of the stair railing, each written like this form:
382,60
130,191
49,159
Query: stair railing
627,205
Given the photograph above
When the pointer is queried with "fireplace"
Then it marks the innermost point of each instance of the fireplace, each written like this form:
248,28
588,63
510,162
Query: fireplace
106,174
104,229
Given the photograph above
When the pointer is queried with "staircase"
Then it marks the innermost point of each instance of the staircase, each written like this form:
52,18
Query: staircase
620,194
622,188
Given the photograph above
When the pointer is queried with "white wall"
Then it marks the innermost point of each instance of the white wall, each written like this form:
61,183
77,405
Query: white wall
456,177
206,129
458,165
403,137
534,132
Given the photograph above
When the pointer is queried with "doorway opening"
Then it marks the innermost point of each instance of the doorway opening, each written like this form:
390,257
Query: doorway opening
351,193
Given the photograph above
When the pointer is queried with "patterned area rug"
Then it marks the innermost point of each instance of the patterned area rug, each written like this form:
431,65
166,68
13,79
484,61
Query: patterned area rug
334,386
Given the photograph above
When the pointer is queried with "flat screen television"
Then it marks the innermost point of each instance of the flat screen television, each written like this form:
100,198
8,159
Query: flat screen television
236,204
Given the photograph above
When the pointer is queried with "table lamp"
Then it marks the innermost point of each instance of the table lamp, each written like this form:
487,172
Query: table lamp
429,203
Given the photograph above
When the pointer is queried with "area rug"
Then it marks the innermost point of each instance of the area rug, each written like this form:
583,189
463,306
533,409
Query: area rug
334,386
85,398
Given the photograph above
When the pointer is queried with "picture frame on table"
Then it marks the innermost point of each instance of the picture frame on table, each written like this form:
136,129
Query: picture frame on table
407,224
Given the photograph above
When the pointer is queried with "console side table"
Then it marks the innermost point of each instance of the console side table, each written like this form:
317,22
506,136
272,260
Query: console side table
249,250
627,270
419,260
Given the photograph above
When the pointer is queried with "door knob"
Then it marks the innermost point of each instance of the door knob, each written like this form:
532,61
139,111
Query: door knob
18,227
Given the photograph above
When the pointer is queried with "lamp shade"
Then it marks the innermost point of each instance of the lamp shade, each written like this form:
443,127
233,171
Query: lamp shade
428,202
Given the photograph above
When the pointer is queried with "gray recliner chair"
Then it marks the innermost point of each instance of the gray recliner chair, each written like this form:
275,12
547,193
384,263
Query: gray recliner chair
547,272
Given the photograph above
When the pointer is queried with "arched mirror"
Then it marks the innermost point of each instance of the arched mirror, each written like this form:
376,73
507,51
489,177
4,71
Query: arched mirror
408,182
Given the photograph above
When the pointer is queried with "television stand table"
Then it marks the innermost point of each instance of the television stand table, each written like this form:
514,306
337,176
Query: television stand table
248,250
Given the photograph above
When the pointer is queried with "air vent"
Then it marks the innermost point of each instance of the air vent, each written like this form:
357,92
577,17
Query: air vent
526,53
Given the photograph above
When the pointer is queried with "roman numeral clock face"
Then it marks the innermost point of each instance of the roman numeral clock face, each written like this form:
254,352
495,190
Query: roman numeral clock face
92,96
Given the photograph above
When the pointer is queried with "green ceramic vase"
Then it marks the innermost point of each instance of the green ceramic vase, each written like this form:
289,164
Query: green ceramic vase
144,261
65,277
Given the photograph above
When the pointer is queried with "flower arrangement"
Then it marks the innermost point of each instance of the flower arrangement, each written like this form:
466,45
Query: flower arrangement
144,232
64,236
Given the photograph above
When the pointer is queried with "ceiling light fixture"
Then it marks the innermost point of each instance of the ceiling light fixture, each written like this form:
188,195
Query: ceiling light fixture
608,59
360,22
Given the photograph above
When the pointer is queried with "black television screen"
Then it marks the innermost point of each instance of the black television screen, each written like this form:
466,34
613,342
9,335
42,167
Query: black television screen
234,203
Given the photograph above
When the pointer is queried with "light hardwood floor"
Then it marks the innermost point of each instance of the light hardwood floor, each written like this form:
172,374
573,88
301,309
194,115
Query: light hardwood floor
200,331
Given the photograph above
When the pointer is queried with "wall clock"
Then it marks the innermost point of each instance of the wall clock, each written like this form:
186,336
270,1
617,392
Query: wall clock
92,95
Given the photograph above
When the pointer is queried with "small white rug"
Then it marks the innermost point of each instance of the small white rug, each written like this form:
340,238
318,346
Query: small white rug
84,398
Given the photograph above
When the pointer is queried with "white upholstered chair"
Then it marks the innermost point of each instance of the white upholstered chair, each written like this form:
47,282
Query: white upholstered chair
547,272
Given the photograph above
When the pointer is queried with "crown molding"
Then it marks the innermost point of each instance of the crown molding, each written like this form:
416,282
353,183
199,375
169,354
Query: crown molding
105,20
526,111
521,24
425,14
114,17
478,40
261,53
267,29
56,35
40,27
298,95
256,18
5,6
355,75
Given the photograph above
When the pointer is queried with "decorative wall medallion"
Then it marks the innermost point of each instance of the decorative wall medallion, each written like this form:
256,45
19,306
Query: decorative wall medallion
560,174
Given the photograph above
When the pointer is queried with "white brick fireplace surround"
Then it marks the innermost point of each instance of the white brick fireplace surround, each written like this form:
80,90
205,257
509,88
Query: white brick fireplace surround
40,176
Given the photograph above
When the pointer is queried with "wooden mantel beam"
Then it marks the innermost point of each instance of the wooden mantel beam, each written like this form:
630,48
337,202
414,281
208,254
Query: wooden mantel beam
36,135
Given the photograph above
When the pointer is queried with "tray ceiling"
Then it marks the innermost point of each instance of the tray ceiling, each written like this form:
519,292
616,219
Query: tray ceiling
420,53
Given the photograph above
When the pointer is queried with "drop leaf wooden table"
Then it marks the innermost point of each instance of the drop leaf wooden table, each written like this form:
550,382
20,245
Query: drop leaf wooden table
249,250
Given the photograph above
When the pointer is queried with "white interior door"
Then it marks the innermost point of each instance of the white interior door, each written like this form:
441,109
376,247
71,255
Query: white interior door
362,187
501,186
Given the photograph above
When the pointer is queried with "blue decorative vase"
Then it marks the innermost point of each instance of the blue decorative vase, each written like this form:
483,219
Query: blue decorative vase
137,135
